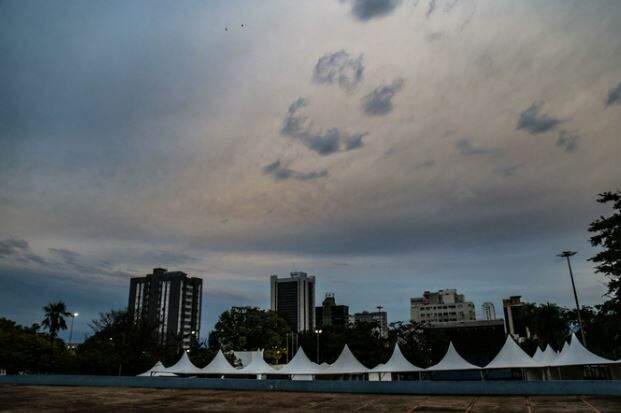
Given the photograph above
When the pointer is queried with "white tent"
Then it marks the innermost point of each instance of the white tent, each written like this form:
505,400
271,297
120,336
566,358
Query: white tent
512,356
157,370
219,365
577,355
258,366
346,363
245,357
183,366
538,356
300,364
397,363
548,356
452,361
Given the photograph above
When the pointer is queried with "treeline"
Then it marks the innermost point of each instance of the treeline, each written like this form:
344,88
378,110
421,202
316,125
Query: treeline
119,345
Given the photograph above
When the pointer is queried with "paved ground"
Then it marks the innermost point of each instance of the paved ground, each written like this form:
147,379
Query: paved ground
104,399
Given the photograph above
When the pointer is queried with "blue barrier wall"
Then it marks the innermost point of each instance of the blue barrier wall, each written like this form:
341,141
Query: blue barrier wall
555,387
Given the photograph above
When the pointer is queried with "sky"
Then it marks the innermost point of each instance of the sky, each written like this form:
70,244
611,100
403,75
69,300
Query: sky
387,147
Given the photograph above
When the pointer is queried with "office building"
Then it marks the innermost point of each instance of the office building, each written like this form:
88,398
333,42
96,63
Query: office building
294,298
442,306
171,301
515,317
330,314
489,311
380,318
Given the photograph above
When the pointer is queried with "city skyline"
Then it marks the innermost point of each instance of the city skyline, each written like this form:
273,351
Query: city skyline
391,150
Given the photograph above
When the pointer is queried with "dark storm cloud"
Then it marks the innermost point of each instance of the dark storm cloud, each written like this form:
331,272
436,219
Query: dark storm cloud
379,102
365,10
568,140
341,68
431,7
67,256
19,249
507,171
534,122
280,172
324,143
465,146
614,96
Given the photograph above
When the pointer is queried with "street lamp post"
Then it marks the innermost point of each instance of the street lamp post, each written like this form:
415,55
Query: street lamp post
566,255
317,332
73,316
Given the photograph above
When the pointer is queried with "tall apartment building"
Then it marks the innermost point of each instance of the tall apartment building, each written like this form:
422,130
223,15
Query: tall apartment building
515,317
489,311
294,298
378,317
442,306
171,301
330,314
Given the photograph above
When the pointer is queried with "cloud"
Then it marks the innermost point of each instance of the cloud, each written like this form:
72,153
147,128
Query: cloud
325,143
614,96
508,171
280,172
379,102
19,249
534,122
425,164
365,10
67,256
568,140
341,68
166,258
466,147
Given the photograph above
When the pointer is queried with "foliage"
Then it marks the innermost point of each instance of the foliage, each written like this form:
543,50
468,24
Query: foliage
54,321
608,236
25,350
250,328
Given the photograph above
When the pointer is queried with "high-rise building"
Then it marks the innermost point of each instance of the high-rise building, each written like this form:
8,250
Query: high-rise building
330,314
171,301
444,305
489,311
515,317
377,317
294,298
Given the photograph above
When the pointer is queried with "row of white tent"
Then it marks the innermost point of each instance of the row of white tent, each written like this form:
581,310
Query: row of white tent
510,356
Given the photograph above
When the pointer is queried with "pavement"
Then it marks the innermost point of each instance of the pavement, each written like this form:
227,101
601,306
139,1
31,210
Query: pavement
15,398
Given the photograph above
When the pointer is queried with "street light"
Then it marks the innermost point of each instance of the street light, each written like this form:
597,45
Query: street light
566,255
317,332
73,316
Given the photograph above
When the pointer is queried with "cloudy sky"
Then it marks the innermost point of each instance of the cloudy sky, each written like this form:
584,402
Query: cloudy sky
385,146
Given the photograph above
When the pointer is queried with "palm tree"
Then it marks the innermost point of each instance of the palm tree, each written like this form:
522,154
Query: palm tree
54,320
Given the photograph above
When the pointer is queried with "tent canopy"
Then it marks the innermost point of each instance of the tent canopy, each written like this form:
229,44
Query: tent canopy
258,365
219,365
452,361
183,366
346,363
512,356
538,356
157,370
576,355
397,363
300,364
548,356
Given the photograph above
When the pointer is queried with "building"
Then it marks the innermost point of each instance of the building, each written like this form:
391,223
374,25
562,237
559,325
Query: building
377,317
171,301
515,317
330,314
442,306
478,340
489,311
294,298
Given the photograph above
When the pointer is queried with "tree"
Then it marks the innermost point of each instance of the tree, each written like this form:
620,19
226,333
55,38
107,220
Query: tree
54,321
608,236
250,328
